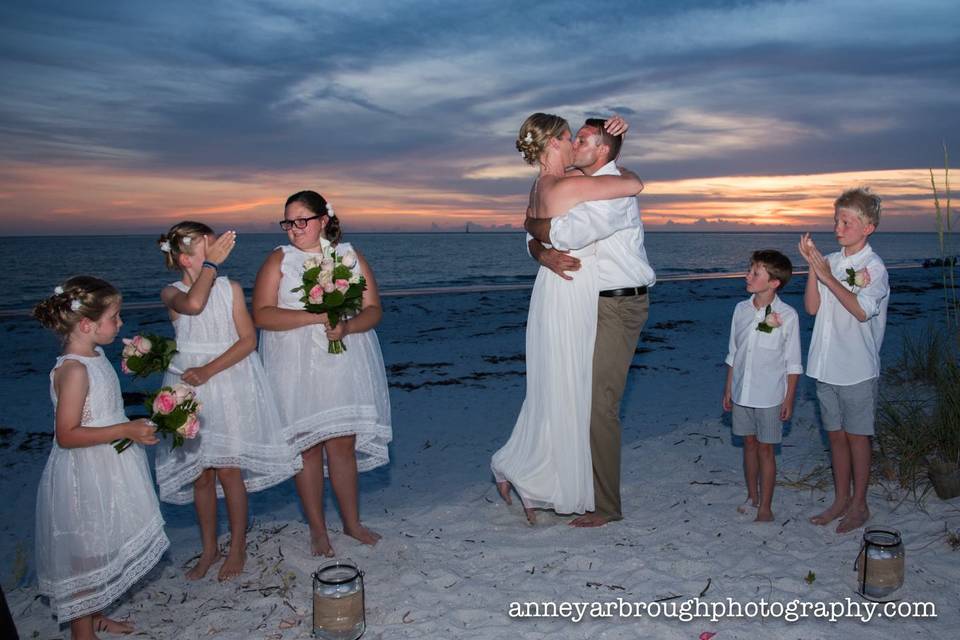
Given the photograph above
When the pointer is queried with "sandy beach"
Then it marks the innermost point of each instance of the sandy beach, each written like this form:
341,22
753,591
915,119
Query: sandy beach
454,557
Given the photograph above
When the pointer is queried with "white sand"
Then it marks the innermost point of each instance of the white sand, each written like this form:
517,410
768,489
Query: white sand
454,556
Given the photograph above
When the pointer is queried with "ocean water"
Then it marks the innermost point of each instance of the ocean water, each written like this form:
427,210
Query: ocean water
399,260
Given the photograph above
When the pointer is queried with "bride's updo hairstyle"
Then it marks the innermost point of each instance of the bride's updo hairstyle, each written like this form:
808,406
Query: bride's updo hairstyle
77,298
536,132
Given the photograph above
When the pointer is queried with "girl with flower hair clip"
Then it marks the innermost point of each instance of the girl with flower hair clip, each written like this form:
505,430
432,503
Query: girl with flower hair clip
332,404
240,447
99,528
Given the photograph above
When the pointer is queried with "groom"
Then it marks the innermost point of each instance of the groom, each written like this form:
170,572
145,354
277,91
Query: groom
624,304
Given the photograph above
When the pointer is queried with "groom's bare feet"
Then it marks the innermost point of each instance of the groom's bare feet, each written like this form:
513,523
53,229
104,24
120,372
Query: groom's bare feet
590,520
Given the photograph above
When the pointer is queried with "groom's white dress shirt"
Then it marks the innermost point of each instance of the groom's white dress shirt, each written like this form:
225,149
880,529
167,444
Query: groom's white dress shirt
616,228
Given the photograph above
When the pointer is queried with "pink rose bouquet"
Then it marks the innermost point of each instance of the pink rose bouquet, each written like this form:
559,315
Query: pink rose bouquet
146,353
771,320
332,284
176,412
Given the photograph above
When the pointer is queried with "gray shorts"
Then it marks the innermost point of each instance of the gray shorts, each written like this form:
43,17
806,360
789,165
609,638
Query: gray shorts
763,423
851,408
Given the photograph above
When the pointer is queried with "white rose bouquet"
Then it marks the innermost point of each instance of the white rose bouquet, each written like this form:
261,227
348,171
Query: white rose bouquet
332,284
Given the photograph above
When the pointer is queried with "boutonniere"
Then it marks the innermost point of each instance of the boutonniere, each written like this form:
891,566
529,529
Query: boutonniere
857,278
771,321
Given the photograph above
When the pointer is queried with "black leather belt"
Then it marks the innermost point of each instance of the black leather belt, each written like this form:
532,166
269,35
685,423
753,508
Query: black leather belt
629,291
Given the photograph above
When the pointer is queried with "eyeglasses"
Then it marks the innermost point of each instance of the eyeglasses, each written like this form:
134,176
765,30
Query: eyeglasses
299,223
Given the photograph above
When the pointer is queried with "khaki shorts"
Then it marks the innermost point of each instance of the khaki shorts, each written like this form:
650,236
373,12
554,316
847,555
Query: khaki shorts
763,423
851,408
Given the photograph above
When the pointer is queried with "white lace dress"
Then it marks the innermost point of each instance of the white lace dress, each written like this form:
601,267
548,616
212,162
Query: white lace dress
547,458
323,395
99,528
240,425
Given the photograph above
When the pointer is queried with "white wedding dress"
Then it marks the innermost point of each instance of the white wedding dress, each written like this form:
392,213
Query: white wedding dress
547,458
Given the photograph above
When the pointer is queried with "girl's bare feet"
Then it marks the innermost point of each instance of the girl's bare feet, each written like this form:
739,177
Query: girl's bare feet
203,565
764,516
837,509
364,535
320,545
233,565
102,623
504,489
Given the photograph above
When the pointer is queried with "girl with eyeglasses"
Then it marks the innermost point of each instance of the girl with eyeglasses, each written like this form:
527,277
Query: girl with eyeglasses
241,447
335,407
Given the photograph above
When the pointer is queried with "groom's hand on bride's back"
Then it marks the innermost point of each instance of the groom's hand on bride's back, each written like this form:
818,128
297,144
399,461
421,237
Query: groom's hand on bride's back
557,261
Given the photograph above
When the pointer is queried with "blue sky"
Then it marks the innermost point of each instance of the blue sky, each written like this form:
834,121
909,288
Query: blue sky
135,113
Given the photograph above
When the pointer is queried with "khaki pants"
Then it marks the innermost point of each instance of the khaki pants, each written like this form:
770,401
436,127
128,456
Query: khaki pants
619,323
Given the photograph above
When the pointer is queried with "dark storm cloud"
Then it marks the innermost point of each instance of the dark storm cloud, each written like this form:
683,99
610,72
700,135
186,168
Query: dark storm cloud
413,90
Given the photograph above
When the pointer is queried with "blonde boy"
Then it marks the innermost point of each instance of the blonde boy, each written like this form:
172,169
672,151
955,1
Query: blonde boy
848,291
763,366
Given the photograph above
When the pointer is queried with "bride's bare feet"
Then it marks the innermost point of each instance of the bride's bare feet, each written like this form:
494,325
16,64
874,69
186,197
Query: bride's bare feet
837,509
504,489
320,545
102,623
203,565
853,519
364,535
531,516
233,565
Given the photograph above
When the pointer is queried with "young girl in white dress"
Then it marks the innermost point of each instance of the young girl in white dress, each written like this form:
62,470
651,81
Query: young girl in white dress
241,442
99,528
547,457
333,403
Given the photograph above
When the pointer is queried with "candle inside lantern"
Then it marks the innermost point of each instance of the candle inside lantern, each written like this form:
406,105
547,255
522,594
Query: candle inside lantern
881,562
338,602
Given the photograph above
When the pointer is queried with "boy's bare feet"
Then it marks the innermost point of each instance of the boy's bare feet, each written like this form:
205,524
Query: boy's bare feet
764,516
836,510
531,516
102,623
504,489
748,506
364,535
853,519
203,565
233,565
320,545
590,520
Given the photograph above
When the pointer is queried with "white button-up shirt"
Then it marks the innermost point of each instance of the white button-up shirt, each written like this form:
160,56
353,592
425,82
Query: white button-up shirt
616,228
762,361
843,350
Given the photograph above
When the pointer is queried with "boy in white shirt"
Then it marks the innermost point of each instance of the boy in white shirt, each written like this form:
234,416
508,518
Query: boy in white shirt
763,366
848,291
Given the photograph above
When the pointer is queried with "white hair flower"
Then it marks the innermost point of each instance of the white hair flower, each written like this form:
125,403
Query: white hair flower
165,246
74,305
528,138
58,290
330,211
186,241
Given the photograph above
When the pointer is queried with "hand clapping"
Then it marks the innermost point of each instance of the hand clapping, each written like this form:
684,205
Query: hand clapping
819,266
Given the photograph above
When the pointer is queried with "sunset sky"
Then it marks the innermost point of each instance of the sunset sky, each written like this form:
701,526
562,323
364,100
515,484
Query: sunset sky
126,116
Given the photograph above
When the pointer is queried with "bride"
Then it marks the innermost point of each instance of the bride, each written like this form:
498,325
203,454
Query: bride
547,458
